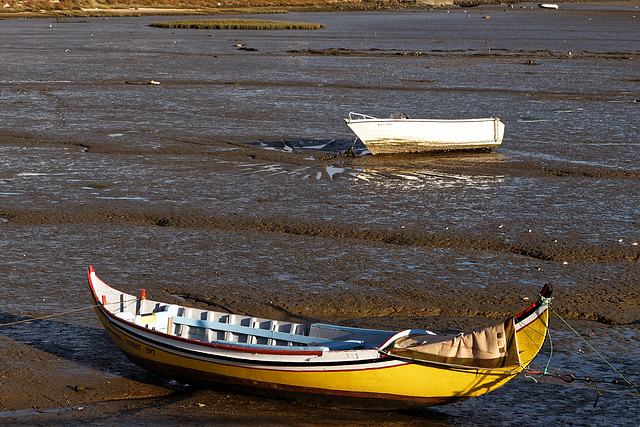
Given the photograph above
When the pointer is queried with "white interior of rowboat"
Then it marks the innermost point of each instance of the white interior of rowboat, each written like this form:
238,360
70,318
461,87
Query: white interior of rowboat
247,331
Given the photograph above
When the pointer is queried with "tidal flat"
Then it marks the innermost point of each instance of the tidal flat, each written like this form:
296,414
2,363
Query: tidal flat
208,168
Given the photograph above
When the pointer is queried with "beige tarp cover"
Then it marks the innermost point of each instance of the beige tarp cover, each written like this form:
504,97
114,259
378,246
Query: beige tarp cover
493,347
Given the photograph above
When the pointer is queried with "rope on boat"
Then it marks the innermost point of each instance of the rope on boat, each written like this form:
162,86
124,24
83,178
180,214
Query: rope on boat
49,316
625,379
568,378
546,368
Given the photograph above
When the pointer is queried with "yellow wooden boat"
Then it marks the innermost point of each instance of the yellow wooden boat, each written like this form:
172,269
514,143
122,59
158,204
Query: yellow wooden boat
353,367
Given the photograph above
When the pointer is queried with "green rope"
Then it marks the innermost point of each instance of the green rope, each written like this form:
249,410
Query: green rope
544,301
630,383
546,368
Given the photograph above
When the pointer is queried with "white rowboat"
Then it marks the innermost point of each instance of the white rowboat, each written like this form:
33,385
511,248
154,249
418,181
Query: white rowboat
405,135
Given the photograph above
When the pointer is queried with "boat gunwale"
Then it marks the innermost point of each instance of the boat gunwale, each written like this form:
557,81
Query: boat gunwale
367,119
125,326
250,363
328,376
390,360
535,310
115,320
522,320
447,121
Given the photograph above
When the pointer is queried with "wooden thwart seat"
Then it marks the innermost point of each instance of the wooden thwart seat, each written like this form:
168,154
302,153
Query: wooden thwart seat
287,337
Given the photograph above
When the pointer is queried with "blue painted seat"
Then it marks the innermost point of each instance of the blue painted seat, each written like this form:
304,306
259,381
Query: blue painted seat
267,333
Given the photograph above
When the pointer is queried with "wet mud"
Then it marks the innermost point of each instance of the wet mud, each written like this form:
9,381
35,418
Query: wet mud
234,185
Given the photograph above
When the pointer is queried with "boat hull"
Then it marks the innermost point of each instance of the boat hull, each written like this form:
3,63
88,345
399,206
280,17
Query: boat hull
362,378
405,136
338,386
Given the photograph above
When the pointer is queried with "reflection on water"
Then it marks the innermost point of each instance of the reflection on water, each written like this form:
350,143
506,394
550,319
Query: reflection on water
416,179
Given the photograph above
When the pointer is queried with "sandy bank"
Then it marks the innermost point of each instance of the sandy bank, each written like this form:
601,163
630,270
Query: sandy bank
107,11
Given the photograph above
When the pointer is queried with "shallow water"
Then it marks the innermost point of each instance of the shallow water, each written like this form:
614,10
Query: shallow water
223,181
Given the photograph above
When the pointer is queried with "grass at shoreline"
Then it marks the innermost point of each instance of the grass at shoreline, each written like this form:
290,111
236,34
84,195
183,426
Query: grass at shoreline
123,10
119,8
237,24
108,8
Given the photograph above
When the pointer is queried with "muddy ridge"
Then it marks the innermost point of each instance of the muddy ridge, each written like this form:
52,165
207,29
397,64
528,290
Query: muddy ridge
461,53
214,169
500,243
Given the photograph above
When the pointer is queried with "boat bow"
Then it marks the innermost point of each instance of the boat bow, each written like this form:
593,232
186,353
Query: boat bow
494,347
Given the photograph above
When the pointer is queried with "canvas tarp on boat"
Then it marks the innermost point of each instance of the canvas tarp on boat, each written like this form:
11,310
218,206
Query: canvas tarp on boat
493,347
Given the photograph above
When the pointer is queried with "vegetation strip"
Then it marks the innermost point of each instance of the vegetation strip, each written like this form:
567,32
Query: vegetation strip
237,24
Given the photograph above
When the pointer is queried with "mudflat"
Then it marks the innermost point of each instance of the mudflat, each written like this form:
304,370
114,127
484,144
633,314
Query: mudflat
209,168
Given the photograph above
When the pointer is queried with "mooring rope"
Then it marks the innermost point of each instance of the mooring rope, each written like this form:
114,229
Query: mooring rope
629,382
49,316
545,301
546,368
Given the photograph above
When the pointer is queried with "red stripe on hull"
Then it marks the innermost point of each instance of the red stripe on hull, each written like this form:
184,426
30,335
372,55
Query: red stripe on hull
113,320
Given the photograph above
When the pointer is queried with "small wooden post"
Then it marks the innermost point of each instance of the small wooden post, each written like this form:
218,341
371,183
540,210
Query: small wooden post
170,326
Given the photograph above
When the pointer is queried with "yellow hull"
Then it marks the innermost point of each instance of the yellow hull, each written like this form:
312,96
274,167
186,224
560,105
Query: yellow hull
388,381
